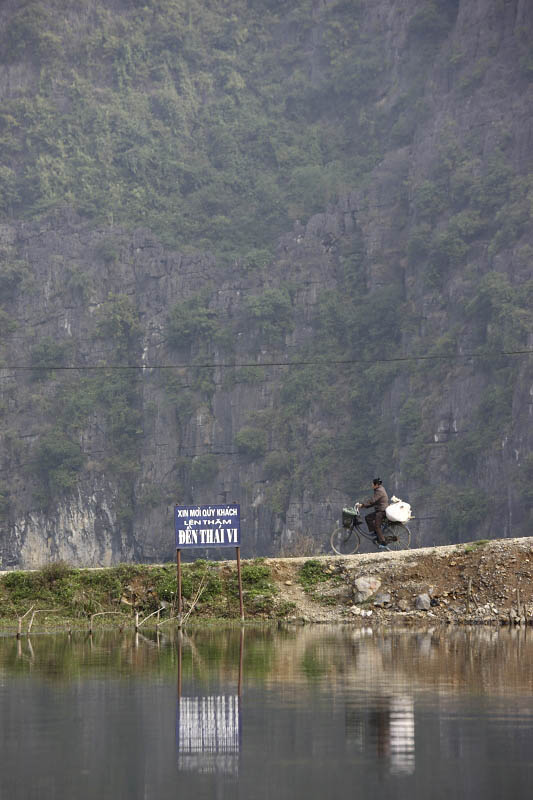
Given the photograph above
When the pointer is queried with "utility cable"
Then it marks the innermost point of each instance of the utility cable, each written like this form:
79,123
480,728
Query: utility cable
264,364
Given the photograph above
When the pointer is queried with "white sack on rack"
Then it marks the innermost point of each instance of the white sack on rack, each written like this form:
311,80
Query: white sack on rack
398,511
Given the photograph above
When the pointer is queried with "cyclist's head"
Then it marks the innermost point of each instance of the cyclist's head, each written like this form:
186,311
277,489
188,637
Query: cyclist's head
377,481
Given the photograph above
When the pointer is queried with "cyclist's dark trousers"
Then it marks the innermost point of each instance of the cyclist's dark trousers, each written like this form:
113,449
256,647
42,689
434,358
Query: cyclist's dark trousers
373,522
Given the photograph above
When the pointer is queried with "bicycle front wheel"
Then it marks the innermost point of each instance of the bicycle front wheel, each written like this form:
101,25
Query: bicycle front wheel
397,536
345,541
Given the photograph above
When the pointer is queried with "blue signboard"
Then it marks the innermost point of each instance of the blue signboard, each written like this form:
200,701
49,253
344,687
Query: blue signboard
207,526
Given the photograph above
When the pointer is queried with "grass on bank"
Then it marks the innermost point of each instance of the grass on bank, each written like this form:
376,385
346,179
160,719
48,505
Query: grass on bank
68,593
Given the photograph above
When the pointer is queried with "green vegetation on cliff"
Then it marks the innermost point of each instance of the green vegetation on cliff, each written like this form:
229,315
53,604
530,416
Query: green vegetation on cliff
198,120
219,127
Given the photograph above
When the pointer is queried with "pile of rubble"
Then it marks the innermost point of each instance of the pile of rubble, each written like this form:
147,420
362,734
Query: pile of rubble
487,582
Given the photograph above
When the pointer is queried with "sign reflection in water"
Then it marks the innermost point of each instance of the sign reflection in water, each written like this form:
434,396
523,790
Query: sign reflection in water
95,717
208,727
208,733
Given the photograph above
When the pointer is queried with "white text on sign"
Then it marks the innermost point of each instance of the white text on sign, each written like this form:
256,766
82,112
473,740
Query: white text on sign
206,536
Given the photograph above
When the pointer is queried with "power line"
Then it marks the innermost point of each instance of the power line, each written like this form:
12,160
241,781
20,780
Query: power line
264,364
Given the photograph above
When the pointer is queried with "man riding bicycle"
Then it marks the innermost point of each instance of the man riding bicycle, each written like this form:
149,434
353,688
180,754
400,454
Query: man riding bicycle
379,502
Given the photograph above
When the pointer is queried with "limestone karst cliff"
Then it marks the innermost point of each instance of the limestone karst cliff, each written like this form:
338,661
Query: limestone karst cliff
259,252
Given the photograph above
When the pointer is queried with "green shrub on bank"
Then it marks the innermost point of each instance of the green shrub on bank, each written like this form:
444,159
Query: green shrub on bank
211,589
256,578
312,573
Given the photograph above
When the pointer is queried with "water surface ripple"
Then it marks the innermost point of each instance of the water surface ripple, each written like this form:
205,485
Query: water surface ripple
310,712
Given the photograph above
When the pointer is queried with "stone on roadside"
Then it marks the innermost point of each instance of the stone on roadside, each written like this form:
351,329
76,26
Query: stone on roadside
365,587
403,605
423,602
382,598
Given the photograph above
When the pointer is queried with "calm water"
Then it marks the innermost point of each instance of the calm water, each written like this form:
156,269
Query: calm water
313,713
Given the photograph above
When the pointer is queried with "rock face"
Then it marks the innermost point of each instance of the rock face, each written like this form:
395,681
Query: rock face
93,460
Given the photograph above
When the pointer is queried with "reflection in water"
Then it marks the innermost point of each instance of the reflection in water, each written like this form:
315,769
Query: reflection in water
301,712
388,725
208,728
392,725
208,733
402,734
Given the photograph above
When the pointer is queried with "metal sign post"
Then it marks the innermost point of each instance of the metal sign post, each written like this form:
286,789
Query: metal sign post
207,526
178,568
241,648
241,605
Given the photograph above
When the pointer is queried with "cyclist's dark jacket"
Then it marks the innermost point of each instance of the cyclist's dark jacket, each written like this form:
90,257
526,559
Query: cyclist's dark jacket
380,501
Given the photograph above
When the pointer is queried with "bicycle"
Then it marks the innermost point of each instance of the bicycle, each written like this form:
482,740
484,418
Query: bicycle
346,539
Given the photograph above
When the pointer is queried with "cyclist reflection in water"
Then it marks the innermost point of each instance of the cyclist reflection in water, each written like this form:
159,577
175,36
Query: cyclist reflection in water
393,721
379,502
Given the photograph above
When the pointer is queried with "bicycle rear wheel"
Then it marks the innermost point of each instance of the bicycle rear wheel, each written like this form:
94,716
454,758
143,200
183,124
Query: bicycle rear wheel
397,536
345,541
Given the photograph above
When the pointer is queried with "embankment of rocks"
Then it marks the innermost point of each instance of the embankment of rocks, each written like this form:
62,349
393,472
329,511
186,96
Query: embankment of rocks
476,583
482,582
